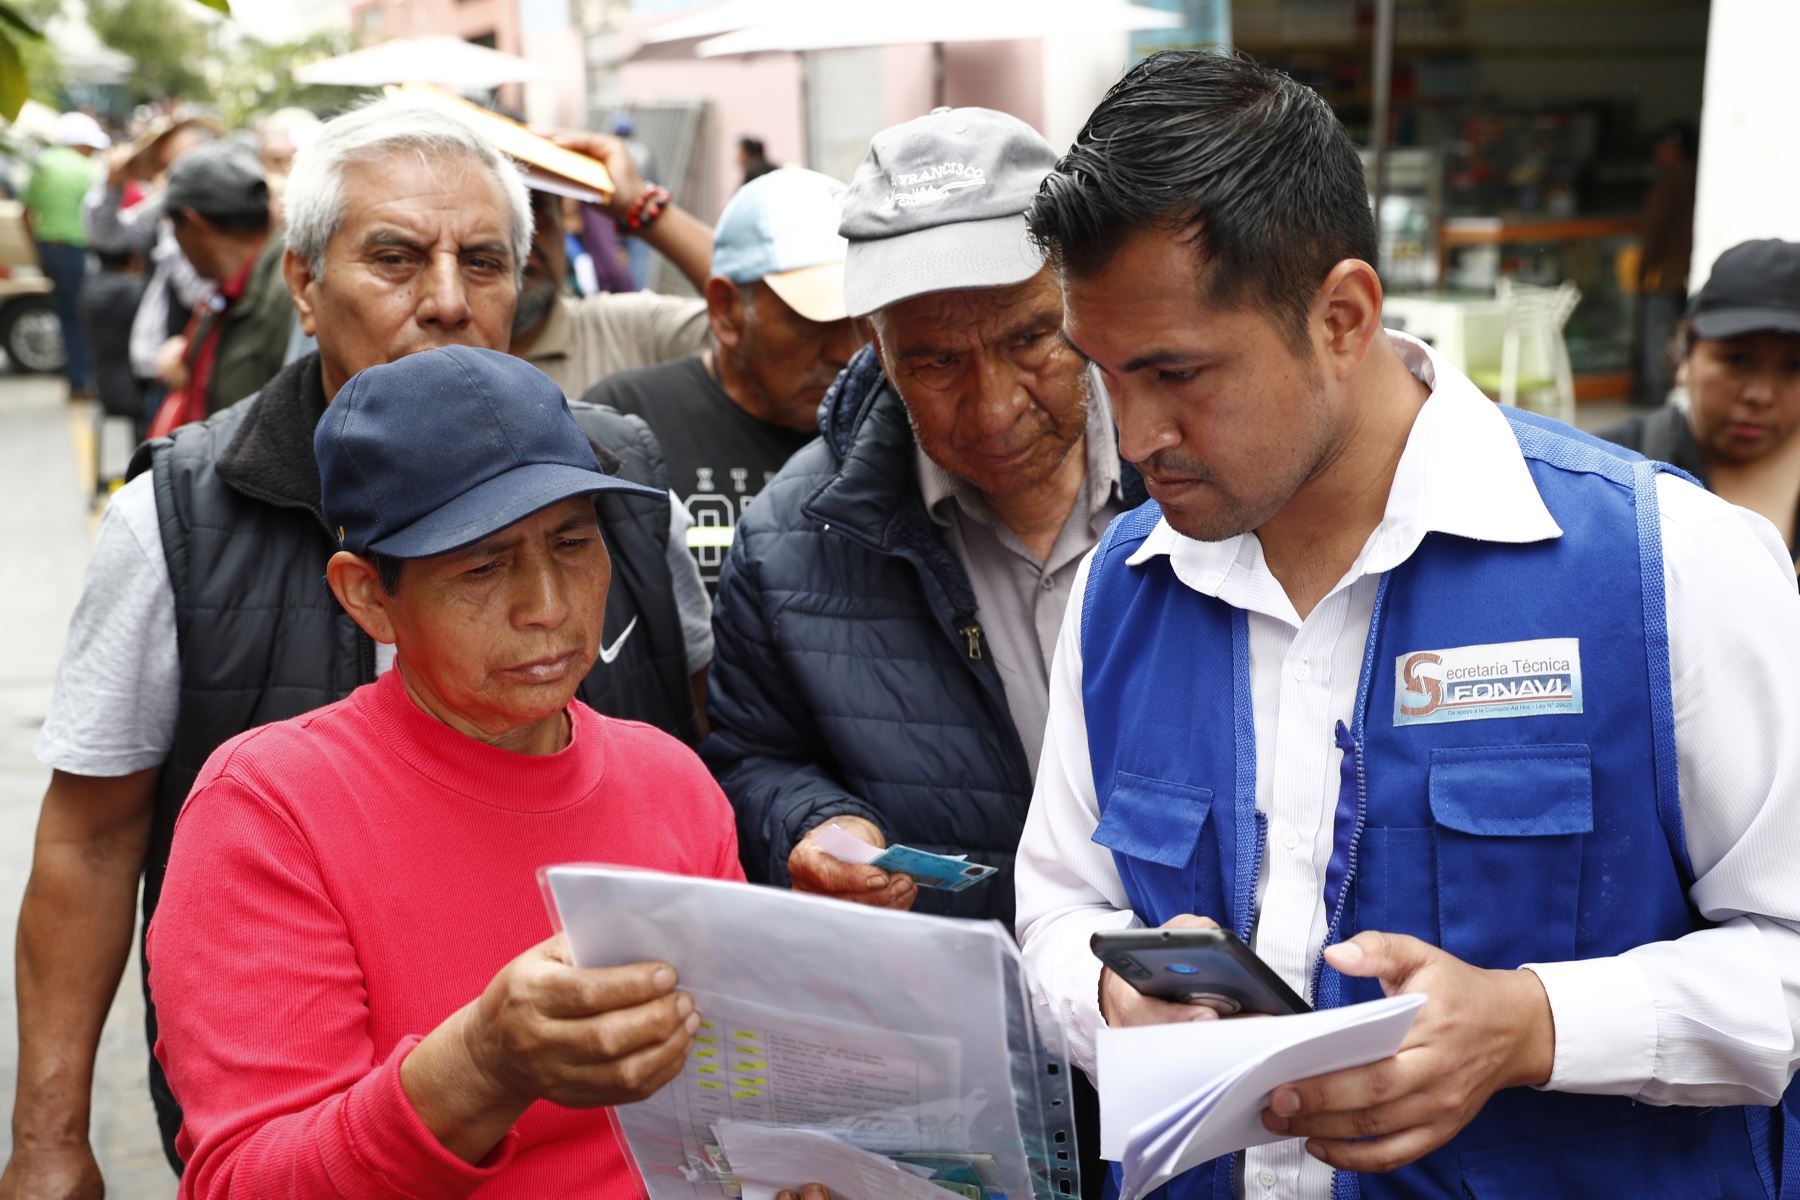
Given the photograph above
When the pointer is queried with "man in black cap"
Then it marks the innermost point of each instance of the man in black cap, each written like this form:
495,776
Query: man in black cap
1738,357
356,885
218,205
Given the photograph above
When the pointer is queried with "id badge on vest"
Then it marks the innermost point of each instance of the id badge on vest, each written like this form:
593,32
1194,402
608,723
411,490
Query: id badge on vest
1478,683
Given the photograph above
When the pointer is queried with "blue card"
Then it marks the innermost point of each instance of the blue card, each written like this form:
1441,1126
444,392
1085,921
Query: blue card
932,870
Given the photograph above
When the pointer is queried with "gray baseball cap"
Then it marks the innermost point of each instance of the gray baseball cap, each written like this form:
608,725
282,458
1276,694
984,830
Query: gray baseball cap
217,180
939,205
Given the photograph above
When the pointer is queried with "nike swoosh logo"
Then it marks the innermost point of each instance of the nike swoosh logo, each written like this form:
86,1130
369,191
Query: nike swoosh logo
608,653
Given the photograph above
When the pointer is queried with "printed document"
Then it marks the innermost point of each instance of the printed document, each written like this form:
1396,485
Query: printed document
1175,1096
883,1032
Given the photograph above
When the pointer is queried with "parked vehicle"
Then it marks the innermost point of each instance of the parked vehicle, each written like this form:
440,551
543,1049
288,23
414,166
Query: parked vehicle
29,332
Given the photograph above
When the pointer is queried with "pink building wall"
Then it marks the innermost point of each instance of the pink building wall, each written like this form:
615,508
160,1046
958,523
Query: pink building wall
1008,76
762,95
757,96
558,97
379,20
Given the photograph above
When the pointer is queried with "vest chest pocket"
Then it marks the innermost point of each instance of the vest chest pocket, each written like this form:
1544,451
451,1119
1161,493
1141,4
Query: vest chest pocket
1510,825
1152,826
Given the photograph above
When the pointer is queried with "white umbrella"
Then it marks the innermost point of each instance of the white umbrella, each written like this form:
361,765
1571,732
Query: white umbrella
834,24
715,19
446,61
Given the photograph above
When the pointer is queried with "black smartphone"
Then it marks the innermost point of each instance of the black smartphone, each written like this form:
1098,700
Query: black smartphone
1197,966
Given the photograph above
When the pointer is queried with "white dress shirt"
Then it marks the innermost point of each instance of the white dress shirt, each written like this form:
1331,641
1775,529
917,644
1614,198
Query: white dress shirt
1709,1019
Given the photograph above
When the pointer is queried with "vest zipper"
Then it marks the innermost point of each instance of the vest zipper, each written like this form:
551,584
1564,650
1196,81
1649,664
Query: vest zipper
1247,918
1351,745
971,633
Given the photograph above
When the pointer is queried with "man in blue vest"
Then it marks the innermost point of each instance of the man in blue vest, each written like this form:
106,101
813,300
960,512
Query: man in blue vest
1415,693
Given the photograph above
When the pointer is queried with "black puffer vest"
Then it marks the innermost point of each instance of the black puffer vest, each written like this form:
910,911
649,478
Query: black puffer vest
648,680
260,637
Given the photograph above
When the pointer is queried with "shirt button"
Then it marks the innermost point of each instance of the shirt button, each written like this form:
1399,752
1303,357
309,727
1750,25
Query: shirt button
1047,583
1302,671
1266,1177
1290,839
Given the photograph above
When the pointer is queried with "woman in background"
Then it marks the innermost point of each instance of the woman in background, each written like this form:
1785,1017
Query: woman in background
1738,355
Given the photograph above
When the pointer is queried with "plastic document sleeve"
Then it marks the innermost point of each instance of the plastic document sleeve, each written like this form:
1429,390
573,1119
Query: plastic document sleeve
895,1056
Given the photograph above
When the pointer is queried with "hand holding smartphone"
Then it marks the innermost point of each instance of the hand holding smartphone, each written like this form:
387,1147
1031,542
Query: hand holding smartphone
1197,966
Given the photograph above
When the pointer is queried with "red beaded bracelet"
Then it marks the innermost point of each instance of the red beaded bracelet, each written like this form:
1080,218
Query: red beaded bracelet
645,210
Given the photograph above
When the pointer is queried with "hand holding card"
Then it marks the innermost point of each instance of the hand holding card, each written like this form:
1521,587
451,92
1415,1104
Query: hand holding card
951,874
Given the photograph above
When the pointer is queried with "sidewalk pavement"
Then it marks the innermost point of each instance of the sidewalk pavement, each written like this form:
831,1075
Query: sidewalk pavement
46,527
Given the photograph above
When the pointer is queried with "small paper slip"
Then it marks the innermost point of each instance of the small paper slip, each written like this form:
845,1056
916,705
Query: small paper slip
928,870
768,1160
1175,1096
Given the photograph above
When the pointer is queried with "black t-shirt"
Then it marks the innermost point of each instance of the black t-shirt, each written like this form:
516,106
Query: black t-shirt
719,456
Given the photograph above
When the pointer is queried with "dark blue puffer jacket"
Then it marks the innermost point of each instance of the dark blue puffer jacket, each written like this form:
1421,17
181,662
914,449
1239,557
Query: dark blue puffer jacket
850,676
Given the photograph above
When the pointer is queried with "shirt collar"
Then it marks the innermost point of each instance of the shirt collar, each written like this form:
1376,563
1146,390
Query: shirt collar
1461,473
939,489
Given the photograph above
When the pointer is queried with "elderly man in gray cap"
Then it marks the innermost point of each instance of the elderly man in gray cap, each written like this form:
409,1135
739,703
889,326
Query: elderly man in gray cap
887,613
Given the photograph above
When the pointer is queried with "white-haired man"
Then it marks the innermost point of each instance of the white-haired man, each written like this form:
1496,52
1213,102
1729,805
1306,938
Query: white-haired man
204,612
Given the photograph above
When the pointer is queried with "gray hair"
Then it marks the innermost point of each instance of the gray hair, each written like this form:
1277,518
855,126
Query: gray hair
395,125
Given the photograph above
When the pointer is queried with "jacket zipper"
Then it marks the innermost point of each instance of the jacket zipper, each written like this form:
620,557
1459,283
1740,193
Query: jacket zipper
365,653
971,633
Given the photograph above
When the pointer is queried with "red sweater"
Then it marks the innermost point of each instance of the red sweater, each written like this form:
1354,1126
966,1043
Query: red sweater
342,882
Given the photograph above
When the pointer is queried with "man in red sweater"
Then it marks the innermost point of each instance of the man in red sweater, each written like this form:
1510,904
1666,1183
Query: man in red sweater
353,1004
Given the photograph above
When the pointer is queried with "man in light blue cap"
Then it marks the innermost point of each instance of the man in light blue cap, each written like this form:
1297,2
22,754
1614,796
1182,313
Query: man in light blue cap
730,417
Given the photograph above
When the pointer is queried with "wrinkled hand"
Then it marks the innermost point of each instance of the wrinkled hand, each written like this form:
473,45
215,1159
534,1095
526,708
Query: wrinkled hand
1121,1004
1479,1031
581,1037
628,185
59,1173
813,870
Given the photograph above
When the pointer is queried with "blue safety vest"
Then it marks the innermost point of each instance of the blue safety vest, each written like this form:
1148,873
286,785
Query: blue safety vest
1513,800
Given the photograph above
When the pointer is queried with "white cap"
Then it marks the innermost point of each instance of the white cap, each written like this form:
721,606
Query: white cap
79,129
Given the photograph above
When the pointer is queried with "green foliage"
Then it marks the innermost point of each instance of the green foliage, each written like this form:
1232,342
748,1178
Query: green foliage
15,86
28,65
258,77
165,41
14,22
44,69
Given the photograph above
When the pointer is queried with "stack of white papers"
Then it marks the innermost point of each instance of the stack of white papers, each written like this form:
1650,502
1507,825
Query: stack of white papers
769,1160
1175,1096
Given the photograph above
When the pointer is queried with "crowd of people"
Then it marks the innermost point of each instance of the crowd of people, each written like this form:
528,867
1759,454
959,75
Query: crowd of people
1072,513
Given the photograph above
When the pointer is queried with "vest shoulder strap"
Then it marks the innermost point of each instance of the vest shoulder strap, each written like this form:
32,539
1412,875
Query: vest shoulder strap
626,438
1127,532
1559,446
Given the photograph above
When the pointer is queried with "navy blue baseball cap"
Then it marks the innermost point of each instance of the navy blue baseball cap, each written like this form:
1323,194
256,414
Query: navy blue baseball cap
442,448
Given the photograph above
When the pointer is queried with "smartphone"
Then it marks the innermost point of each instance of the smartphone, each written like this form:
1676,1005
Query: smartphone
1197,966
